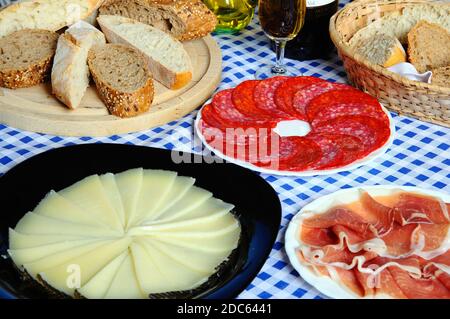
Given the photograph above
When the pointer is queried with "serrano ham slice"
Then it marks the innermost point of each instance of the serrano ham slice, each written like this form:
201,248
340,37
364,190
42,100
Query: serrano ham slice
369,249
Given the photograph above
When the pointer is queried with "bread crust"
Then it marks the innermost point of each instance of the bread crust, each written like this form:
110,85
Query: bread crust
189,19
123,104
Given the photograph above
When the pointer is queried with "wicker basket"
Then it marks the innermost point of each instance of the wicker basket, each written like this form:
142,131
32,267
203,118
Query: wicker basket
424,101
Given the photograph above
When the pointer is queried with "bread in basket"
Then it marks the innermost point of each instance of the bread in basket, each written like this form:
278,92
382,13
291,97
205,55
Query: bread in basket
428,102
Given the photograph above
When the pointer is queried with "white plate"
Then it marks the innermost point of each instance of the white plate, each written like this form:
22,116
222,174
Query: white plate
326,285
363,161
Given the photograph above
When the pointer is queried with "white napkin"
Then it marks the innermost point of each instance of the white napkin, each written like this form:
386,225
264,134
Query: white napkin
409,71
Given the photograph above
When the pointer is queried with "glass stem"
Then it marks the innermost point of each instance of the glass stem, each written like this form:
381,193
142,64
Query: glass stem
279,67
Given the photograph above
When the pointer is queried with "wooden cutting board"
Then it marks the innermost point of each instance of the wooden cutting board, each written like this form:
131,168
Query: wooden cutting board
36,109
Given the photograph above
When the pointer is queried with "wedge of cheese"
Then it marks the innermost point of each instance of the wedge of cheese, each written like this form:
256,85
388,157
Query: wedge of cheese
187,209
98,286
194,197
129,184
27,255
86,266
211,241
155,189
36,224
56,206
179,189
177,276
112,191
20,241
90,195
61,257
125,284
150,278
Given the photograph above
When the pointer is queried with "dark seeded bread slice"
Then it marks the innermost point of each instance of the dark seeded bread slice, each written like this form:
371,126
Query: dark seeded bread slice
122,78
428,46
26,57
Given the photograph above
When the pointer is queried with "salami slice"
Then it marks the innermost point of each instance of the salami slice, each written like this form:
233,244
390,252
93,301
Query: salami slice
223,106
304,96
307,154
284,94
373,133
336,100
337,150
332,111
244,102
264,94
211,119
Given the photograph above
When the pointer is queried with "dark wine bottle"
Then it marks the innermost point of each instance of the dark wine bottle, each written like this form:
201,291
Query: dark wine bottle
313,41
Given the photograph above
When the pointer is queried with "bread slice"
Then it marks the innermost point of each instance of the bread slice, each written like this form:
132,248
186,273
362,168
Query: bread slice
167,59
381,49
398,24
122,78
183,19
70,73
26,57
441,76
49,15
428,46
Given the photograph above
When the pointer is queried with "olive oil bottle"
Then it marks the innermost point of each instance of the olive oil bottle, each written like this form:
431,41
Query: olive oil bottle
232,15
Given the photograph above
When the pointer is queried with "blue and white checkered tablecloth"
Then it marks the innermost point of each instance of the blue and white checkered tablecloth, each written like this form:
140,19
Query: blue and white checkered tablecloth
420,155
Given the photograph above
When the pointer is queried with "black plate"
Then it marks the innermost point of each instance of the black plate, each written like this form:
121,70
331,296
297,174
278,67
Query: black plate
257,204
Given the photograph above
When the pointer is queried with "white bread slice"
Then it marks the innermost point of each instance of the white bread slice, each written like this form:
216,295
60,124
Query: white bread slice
381,49
70,73
167,59
49,15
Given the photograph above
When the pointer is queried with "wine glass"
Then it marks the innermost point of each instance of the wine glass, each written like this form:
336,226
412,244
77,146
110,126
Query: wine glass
281,21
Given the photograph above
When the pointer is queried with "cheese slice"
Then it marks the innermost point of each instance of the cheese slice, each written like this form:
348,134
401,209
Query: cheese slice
197,206
197,260
98,286
179,189
125,284
178,276
20,241
150,278
90,195
57,259
209,223
214,241
129,184
194,197
36,224
156,185
27,255
56,206
87,264
113,193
